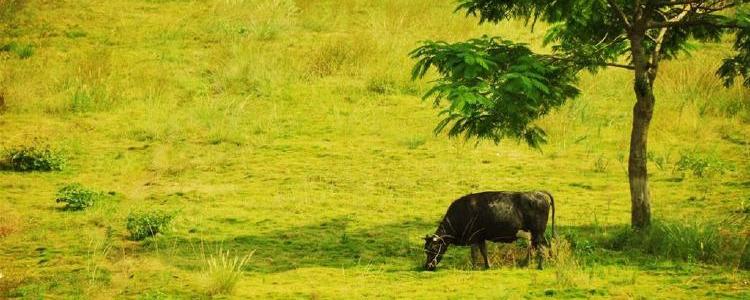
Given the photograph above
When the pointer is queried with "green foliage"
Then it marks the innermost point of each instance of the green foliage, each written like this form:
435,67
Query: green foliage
77,197
146,224
33,158
739,64
495,88
498,88
700,164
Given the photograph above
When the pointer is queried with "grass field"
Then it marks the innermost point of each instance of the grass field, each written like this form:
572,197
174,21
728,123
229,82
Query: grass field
290,130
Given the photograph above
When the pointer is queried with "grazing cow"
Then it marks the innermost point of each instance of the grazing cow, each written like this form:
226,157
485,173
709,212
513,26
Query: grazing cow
491,216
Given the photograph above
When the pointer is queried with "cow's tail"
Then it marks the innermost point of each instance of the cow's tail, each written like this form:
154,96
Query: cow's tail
552,203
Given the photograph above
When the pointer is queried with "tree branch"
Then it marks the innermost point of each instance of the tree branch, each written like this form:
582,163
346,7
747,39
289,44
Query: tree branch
629,67
689,22
698,8
677,2
618,11
656,55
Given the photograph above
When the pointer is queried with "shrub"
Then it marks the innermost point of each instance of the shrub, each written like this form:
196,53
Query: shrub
224,272
700,165
33,158
146,224
77,197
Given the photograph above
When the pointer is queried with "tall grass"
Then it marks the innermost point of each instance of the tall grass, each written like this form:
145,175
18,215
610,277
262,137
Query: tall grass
224,271
568,271
692,242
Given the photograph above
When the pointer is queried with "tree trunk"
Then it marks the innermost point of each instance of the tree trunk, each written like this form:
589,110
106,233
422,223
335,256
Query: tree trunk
643,110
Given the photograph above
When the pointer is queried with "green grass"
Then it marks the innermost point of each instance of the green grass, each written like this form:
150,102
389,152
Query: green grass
291,128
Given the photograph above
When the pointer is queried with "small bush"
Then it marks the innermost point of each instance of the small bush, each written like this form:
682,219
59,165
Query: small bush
700,165
77,197
224,271
146,224
33,158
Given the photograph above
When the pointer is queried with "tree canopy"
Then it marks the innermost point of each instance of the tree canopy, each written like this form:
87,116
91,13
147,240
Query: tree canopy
497,88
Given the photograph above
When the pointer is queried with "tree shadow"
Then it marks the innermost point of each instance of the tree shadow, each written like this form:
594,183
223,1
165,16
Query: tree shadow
390,247
335,243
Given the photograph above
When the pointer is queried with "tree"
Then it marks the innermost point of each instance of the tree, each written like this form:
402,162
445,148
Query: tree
497,89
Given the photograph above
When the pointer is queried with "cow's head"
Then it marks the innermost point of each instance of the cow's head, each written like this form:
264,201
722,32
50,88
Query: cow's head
434,247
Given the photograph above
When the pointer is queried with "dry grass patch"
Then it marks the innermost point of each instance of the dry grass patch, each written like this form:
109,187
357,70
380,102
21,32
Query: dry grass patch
9,224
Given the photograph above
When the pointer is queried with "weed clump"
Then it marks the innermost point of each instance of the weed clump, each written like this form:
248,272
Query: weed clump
142,225
339,56
382,85
77,197
22,51
32,158
271,17
224,271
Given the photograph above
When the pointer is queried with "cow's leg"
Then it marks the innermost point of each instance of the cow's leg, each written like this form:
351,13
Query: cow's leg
475,252
483,249
537,242
527,262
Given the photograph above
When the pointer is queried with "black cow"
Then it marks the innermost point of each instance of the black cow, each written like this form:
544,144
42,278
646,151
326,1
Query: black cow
491,216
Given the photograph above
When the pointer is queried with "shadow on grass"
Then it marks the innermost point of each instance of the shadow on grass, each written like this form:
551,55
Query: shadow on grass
389,247
329,244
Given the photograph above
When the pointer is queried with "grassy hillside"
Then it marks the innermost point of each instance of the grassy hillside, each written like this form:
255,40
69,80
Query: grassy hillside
291,129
